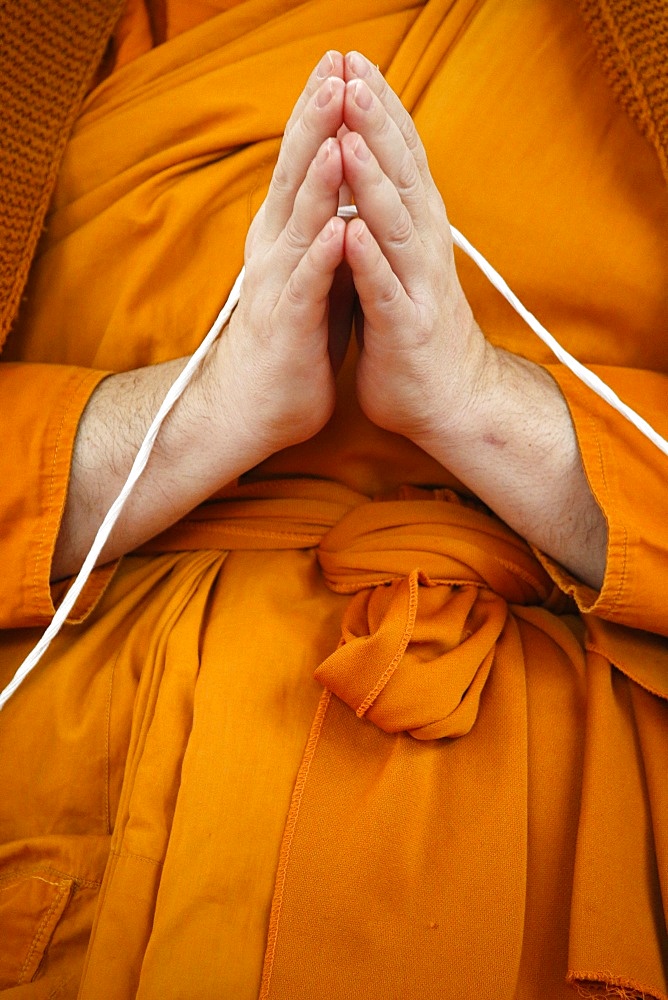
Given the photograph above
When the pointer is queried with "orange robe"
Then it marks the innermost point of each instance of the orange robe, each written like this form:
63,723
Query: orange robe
480,806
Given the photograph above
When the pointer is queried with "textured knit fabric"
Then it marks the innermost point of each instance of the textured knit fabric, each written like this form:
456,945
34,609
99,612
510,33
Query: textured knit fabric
49,51
631,39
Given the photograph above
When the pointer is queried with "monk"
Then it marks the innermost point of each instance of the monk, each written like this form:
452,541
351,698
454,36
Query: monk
375,700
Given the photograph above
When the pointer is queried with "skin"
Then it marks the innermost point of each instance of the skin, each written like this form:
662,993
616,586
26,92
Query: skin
426,371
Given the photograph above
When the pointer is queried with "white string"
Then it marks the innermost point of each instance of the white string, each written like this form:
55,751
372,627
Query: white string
177,389
590,379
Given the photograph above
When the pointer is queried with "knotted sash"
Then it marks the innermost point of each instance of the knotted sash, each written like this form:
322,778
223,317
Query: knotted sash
387,837
387,834
431,584
404,859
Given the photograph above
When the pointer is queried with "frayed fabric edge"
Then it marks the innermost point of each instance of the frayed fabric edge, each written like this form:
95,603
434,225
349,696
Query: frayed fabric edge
594,986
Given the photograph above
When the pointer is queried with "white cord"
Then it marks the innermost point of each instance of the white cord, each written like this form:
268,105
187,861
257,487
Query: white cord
595,383
176,390
114,512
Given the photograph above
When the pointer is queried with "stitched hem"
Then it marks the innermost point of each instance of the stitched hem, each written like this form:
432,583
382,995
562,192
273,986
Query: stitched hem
609,601
58,448
286,846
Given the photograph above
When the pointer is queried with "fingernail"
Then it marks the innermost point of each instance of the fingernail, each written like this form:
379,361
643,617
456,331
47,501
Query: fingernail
324,152
361,150
358,64
328,232
360,231
325,67
362,95
324,95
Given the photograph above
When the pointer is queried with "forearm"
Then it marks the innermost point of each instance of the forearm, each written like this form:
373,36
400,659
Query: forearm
267,383
515,447
426,371
201,446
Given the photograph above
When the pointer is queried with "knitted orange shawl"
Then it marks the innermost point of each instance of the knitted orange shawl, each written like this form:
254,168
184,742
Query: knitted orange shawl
49,51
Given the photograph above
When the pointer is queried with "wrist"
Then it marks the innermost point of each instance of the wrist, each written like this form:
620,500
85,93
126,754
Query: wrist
264,403
464,406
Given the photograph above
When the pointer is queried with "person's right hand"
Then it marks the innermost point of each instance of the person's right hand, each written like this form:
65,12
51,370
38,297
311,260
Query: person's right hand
267,383
276,348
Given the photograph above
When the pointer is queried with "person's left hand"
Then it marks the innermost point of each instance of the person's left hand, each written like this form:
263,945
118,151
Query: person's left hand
497,421
423,355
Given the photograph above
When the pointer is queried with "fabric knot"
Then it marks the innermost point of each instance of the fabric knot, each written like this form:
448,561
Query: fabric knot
448,539
415,656
431,583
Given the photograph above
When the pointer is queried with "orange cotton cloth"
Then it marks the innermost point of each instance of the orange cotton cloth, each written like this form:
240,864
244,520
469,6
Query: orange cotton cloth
476,804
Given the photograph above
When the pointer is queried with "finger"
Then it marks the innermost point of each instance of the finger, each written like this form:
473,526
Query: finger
321,118
316,201
302,305
365,114
383,299
331,64
379,204
358,67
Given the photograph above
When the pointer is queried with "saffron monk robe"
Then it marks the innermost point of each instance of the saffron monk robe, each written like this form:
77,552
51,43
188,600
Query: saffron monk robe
375,701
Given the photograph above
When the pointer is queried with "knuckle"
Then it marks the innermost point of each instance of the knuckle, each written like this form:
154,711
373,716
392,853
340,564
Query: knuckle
281,180
389,296
407,177
426,320
400,230
294,241
413,141
410,133
415,147
294,294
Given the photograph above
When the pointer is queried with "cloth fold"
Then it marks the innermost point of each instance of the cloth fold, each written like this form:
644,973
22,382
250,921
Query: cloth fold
431,579
415,656
449,613
527,845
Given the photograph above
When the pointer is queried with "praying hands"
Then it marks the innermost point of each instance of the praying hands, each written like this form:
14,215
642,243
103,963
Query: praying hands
425,369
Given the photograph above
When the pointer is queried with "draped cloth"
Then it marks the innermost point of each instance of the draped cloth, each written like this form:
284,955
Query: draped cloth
333,735
406,841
